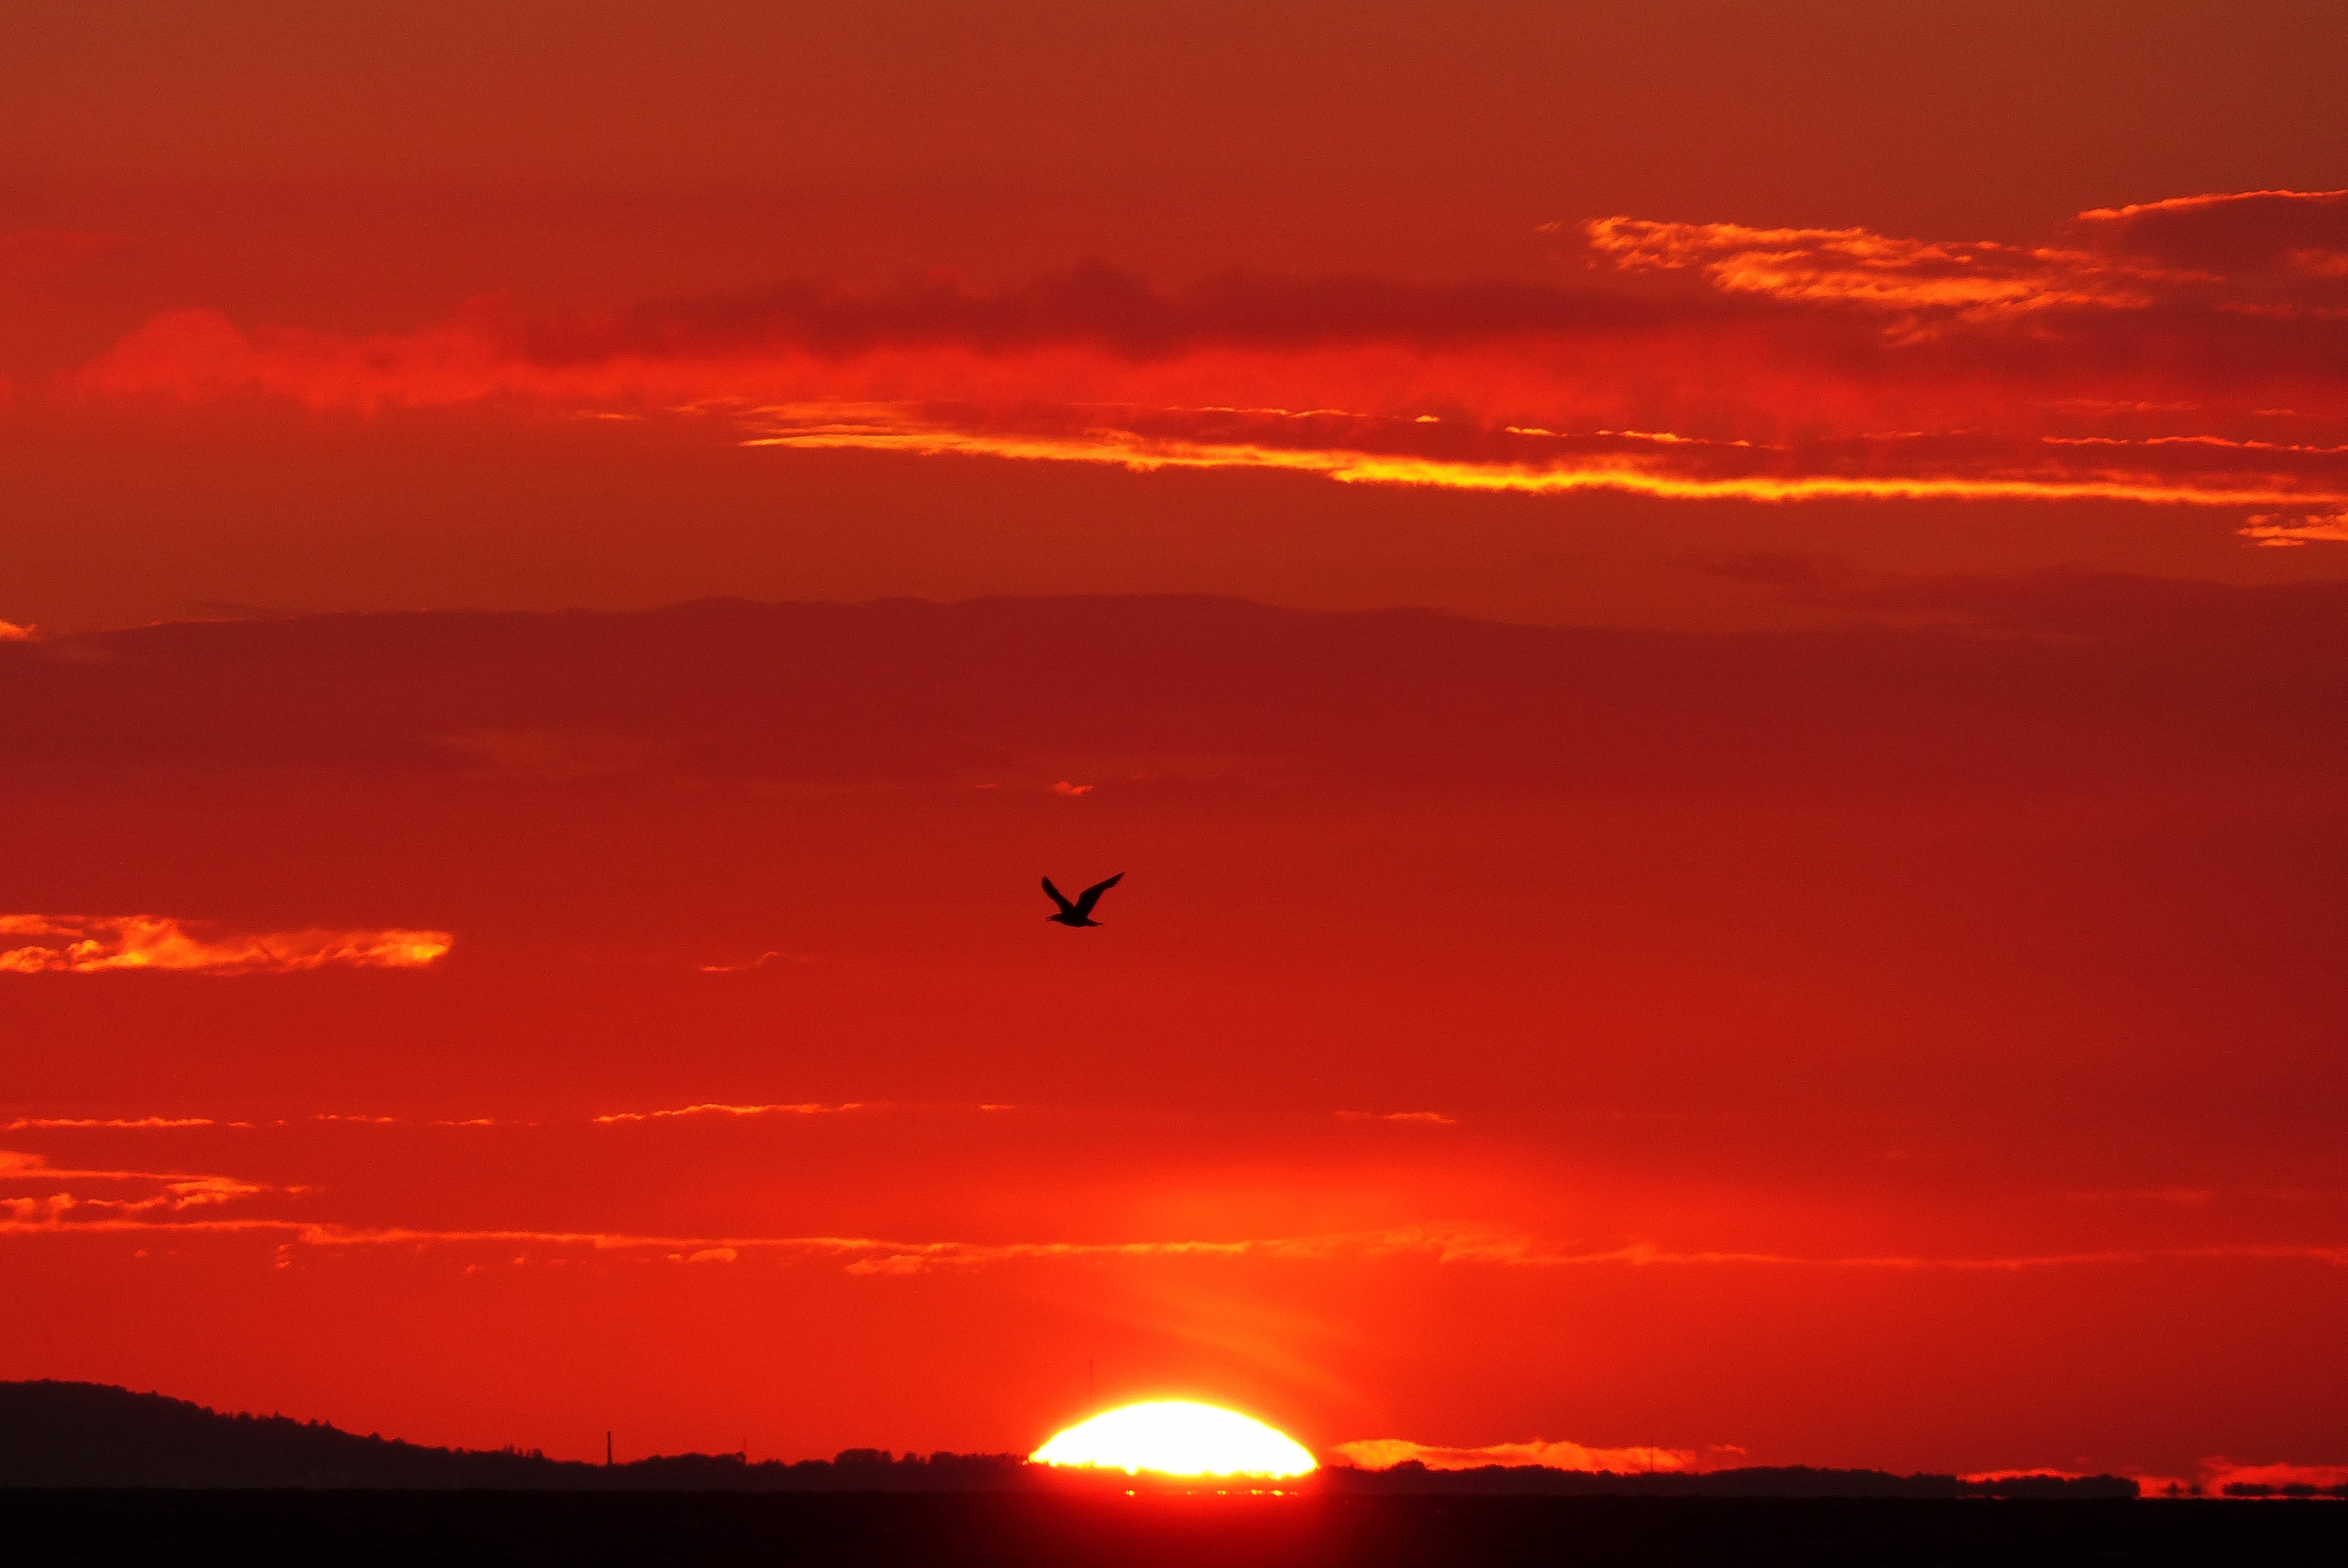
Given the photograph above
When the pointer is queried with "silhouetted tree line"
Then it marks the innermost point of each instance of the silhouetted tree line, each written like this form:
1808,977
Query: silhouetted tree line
56,1434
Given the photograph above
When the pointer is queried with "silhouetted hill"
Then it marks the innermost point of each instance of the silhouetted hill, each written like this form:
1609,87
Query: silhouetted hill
57,1434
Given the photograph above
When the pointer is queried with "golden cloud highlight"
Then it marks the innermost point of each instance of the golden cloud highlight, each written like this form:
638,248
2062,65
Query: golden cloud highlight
95,944
875,428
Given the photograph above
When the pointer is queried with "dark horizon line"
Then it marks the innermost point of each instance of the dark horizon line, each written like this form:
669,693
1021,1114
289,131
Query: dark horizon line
57,1433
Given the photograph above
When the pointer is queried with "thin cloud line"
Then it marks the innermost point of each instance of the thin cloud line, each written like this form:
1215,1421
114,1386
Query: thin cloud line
161,1123
112,1123
806,1108
873,1255
1144,455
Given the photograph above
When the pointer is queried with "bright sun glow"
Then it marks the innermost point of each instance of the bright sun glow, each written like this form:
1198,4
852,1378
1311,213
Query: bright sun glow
1176,1437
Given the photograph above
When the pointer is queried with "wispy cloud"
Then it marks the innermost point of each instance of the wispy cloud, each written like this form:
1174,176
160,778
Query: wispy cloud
760,962
859,1254
1651,1255
2278,532
43,1210
1741,362
47,1123
160,1123
93,944
1980,281
1524,460
1383,1453
155,1192
808,1107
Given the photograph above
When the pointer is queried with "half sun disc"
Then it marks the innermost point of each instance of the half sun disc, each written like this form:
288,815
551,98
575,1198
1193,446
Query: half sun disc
1176,1436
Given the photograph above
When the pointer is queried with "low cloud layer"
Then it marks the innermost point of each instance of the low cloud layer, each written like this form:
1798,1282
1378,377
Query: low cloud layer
1384,1453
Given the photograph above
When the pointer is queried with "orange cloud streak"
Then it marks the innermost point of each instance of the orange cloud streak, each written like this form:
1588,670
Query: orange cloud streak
93,944
867,428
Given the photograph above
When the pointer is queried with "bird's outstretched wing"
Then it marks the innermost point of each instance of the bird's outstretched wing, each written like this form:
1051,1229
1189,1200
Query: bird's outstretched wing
1091,896
1061,899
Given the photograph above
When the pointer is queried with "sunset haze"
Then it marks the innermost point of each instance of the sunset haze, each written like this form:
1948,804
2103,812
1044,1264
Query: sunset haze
1712,639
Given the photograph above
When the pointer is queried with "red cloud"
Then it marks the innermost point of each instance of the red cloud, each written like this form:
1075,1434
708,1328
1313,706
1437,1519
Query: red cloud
2189,352
2231,1478
2240,236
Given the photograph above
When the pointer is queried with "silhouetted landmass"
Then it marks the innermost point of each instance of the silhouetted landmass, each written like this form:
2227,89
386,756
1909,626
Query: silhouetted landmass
57,1434
238,1529
95,1474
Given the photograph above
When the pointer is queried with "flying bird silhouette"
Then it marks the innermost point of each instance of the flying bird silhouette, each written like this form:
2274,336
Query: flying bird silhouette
1079,913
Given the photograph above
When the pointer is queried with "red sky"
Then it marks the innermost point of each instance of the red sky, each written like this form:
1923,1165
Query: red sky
1712,645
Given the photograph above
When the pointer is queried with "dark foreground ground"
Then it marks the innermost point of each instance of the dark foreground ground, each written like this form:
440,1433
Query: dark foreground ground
250,1528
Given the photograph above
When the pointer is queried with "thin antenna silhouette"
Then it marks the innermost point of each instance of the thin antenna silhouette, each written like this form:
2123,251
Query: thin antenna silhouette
607,1450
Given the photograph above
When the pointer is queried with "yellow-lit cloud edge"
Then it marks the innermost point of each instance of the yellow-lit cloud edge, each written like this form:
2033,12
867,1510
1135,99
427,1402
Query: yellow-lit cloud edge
98,944
1146,455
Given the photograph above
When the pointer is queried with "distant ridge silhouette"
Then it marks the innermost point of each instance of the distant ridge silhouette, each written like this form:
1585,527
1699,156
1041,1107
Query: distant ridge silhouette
83,1435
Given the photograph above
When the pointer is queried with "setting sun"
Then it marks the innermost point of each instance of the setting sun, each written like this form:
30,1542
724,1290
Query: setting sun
1177,1437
